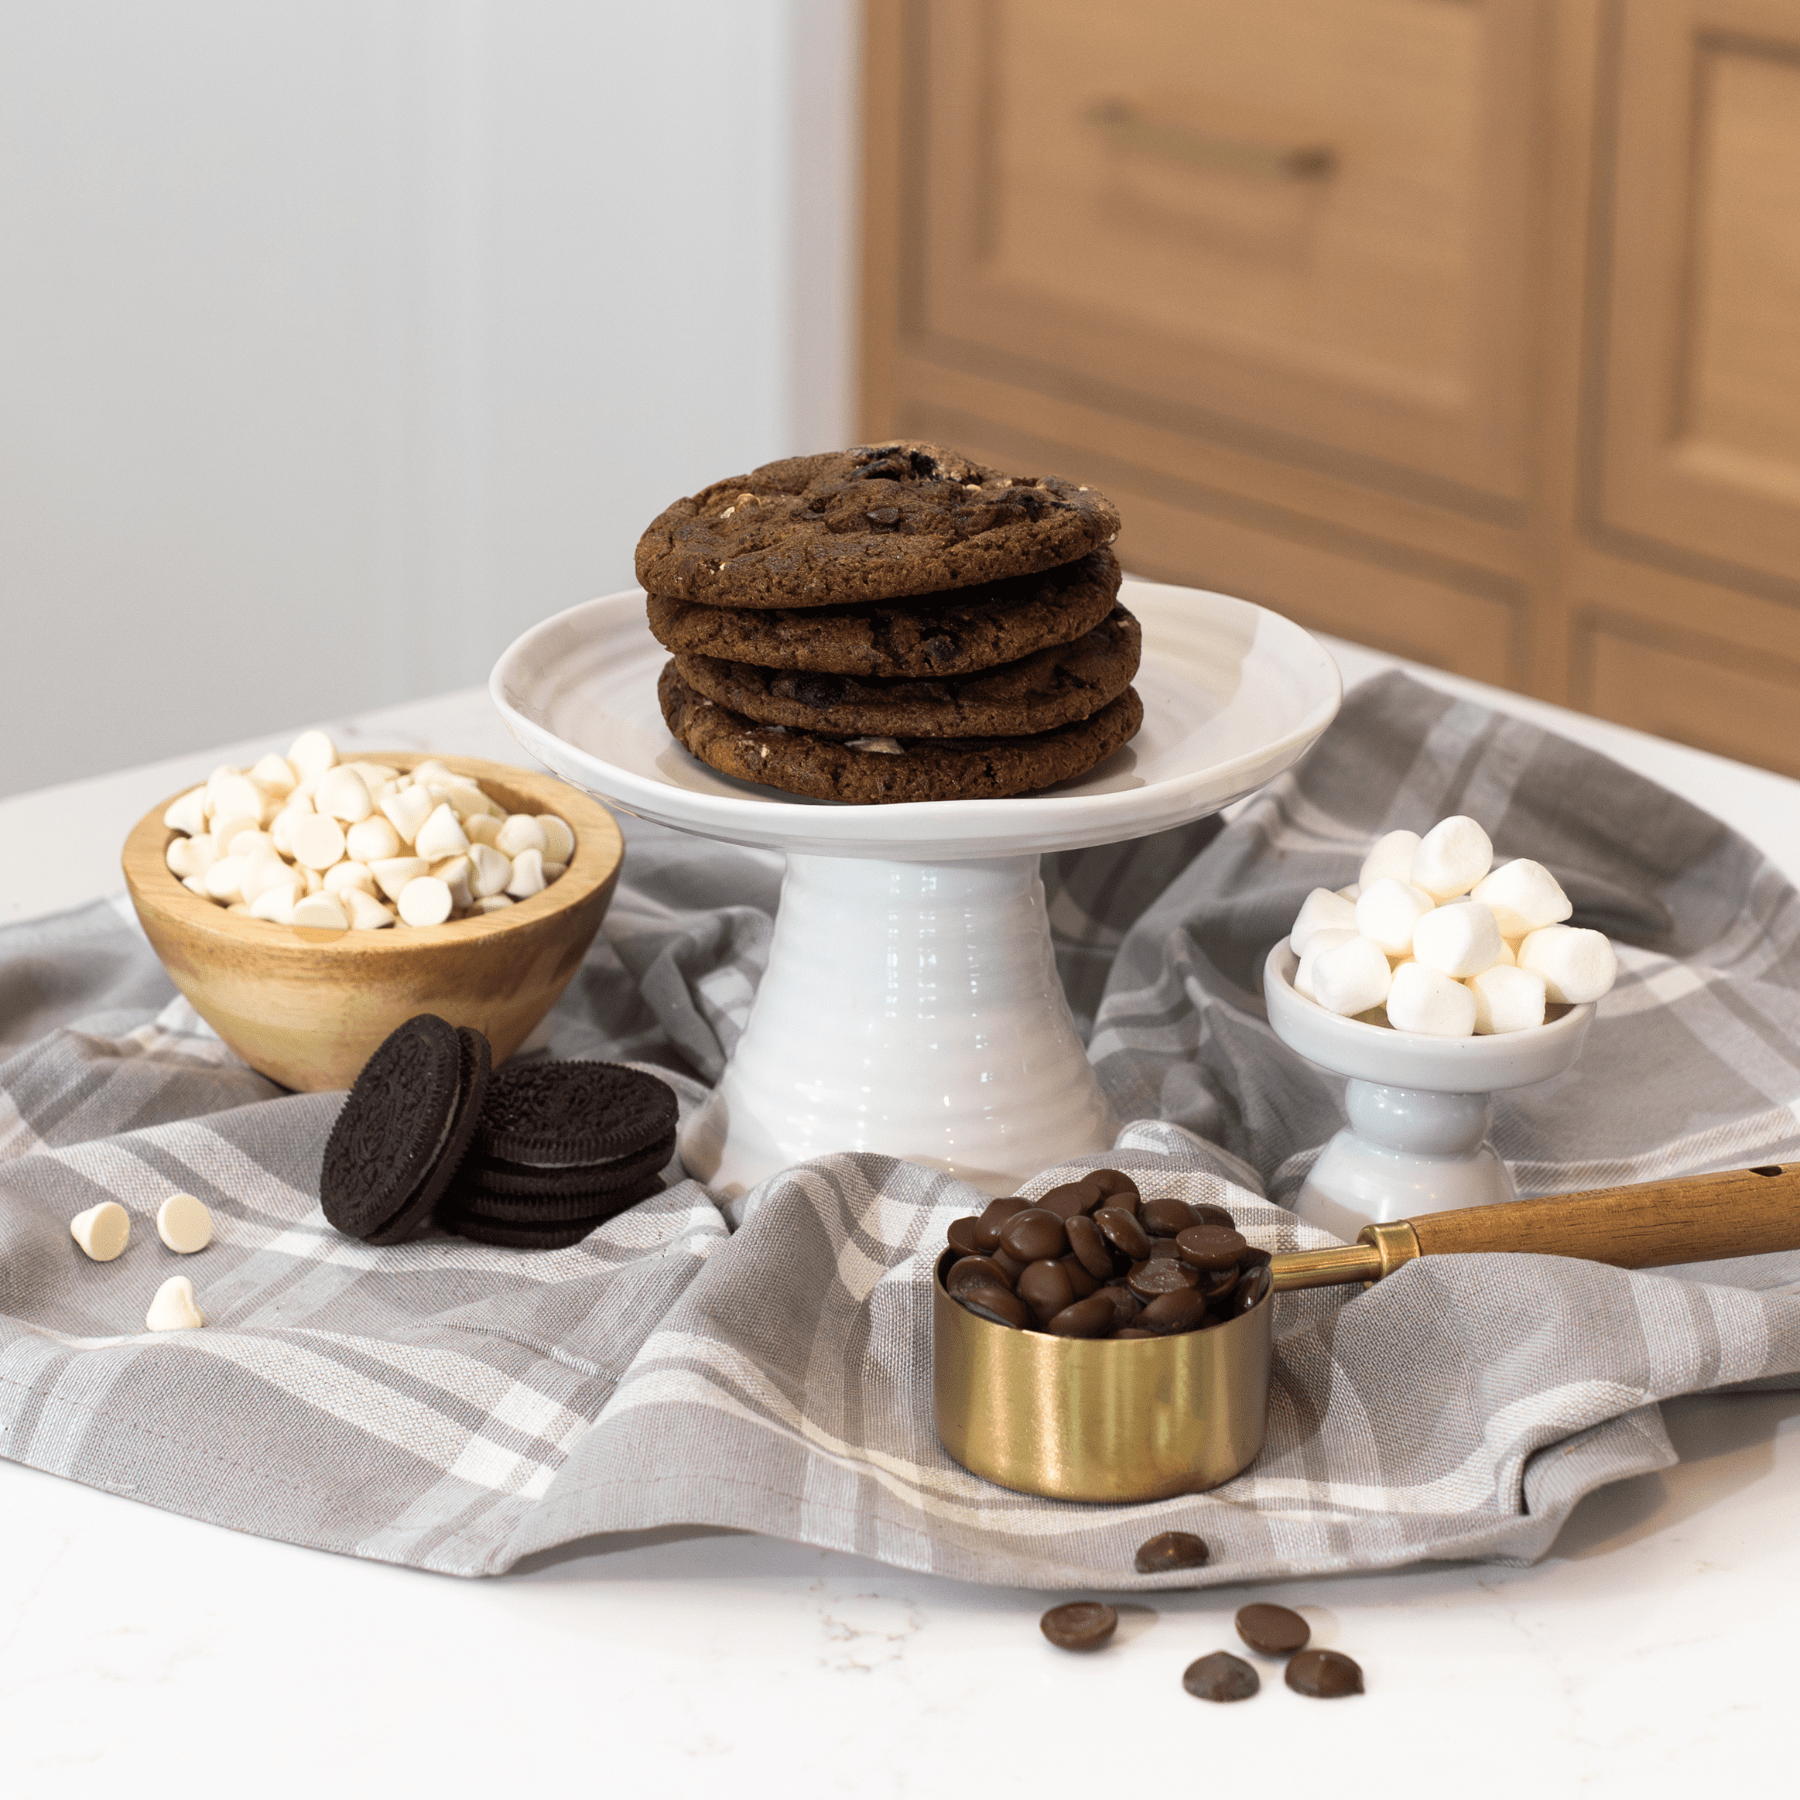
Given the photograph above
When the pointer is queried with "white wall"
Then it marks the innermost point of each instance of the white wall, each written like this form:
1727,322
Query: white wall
342,339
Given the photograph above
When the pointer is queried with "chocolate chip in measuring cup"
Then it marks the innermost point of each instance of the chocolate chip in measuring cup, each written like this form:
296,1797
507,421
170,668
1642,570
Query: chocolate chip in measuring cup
1183,1310
1163,1275
987,1227
974,1272
1123,1232
1074,1199
1089,1318
1034,1235
1166,1216
1211,1247
961,1236
1045,1288
997,1306
1089,1247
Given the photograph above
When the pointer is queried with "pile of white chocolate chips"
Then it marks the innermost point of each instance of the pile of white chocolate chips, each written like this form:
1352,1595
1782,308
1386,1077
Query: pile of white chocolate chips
304,839
1433,938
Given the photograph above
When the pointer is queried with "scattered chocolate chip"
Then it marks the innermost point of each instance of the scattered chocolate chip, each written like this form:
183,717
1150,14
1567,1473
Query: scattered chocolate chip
1081,1625
1033,1235
998,1306
1272,1630
1324,1674
1221,1676
1170,1550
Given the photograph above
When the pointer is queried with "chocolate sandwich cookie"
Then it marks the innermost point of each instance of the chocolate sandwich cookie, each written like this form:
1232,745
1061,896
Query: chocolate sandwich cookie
882,771
952,633
1038,693
875,523
553,1115
566,1209
518,1237
403,1130
493,1175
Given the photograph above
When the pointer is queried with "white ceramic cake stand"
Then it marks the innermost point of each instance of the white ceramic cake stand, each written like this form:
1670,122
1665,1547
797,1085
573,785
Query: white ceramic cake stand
1419,1106
911,1004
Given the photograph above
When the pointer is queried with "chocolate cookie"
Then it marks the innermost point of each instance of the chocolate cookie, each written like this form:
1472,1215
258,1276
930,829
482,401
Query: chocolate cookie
518,1237
886,771
403,1129
875,523
952,633
503,1209
553,1115
526,1180
1037,693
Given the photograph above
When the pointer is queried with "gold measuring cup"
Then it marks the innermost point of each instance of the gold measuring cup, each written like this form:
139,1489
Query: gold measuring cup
1144,1418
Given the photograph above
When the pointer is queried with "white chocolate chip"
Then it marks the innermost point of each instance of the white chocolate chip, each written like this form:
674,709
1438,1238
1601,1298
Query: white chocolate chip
371,840
454,872
184,1224
225,879
312,753
874,746
424,901
344,795
102,1231
366,912
527,874
188,813
275,774
321,912
489,871
490,903
392,873
174,1308
407,810
482,828
229,826
318,841
552,870
350,875
276,904
263,871
559,840
521,832
195,885
191,856
239,794
440,836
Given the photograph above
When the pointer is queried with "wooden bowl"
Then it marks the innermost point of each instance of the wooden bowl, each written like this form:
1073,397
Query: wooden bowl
307,1008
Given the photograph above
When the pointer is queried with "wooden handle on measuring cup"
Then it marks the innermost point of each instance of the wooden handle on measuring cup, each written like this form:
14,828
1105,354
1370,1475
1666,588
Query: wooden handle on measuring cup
1696,1218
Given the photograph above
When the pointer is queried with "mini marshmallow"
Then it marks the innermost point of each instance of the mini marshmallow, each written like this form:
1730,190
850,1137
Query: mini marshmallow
522,832
102,1231
424,901
1459,940
371,840
350,875
366,912
275,774
1430,1002
276,904
559,840
1350,977
311,753
489,871
440,836
1452,857
454,872
527,874
174,1308
344,795
188,813
1388,912
1316,945
1506,999
1525,897
1391,859
184,1224
1321,910
1577,965
394,872
1509,955
407,811
318,841
482,828
322,912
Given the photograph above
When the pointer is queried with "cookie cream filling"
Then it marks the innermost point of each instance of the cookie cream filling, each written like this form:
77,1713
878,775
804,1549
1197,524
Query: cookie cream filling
881,746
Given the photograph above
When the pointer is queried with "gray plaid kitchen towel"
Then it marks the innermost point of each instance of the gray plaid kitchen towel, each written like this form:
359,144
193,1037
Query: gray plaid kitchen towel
765,1364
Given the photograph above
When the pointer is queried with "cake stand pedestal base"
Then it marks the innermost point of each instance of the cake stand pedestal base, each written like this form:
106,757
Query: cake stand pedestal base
911,1009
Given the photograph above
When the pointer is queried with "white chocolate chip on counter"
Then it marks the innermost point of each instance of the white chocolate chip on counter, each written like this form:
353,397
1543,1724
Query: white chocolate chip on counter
174,1308
424,901
102,1231
184,1224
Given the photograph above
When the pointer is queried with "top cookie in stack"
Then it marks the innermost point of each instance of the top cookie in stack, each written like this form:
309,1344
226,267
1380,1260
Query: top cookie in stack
892,623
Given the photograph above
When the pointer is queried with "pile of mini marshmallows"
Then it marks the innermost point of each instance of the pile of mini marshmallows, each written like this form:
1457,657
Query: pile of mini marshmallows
1432,938
304,839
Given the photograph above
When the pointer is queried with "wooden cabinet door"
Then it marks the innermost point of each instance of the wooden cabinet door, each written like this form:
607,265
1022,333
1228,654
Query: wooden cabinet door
1298,224
1700,440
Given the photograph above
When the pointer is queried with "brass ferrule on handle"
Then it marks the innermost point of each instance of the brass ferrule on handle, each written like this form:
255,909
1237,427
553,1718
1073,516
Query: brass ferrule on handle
1378,1251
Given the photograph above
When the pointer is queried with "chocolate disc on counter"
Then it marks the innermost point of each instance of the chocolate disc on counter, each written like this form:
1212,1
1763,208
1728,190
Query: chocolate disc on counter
1324,1675
1221,1676
1272,1630
1080,1625
1171,1550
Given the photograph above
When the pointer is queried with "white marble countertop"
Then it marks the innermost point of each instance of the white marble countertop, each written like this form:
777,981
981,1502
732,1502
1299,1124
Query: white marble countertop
143,1654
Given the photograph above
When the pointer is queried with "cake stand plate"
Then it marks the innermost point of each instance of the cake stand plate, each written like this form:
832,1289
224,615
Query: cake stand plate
911,1004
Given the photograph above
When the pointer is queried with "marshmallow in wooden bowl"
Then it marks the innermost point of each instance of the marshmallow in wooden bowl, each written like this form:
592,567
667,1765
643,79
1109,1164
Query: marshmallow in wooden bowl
1434,939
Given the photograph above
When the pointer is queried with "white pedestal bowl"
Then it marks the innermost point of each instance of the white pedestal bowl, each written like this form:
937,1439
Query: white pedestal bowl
911,1004
1419,1106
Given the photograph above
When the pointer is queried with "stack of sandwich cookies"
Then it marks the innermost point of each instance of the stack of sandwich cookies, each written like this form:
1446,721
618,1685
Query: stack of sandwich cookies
404,1129
560,1148
891,624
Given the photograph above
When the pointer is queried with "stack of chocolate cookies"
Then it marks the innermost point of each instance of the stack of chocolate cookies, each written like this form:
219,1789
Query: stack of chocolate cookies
892,623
